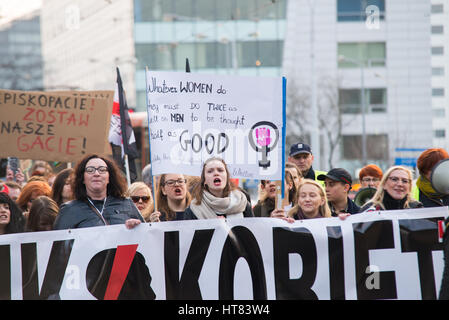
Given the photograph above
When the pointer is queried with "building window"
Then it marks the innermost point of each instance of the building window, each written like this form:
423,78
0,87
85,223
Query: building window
439,113
437,8
437,50
263,53
350,100
377,150
371,54
355,10
437,29
438,92
439,133
208,10
438,71
209,55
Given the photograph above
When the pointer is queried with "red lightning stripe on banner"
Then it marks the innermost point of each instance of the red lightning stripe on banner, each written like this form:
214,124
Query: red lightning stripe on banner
441,229
122,261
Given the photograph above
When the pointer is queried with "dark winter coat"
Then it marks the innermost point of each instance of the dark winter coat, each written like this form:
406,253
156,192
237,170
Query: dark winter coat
79,214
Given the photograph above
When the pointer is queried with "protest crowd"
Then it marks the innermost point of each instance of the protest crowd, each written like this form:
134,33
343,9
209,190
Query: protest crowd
98,189
91,194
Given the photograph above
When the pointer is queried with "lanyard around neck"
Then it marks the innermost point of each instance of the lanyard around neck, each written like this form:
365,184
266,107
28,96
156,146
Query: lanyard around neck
95,208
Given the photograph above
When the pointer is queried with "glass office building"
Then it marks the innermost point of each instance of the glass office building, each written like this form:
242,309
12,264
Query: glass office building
242,37
20,54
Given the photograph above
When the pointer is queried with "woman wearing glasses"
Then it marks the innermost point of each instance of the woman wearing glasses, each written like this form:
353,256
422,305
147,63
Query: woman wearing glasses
370,176
140,194
394,192
172,198
99,190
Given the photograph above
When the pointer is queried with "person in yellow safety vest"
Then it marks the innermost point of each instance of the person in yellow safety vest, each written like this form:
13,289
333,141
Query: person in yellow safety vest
301,155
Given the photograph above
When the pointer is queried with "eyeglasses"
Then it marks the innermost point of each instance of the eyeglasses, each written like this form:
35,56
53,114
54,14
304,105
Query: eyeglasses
173,182
137,199
370,180
101,169
397,179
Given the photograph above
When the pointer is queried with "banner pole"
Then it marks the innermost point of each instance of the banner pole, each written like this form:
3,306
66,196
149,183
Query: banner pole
128,178
153,178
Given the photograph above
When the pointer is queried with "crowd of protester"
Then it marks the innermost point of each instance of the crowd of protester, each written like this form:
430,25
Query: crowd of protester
95,193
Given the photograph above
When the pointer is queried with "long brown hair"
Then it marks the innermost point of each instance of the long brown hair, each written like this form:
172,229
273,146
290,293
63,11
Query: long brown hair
43,209
117,185
58,185
162,201
292,194
198,190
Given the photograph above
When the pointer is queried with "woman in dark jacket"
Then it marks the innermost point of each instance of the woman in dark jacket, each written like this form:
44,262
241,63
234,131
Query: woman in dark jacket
99,190
266,204
394,192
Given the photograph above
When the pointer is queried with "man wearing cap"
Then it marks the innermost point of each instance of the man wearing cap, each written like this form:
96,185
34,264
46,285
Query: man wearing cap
338,182
301,155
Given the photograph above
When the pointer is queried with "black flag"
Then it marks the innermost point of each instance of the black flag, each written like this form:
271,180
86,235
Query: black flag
121,134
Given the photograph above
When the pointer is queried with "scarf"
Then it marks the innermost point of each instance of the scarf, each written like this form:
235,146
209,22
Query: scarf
211,206
425,186
392,204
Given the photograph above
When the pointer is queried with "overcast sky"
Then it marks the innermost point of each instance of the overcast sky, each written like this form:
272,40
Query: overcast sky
10,9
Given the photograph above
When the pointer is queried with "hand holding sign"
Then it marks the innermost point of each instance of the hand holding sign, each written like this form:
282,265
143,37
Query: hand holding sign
235,118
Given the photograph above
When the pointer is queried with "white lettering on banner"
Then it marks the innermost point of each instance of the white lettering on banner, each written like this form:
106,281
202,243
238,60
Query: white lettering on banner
193,117
380,255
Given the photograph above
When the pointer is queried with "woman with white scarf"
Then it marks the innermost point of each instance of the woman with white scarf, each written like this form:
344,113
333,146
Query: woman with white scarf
215,196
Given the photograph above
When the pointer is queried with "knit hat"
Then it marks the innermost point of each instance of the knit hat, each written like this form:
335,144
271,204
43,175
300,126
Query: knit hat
370,170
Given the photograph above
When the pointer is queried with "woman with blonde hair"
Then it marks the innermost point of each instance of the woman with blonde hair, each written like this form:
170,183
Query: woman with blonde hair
394,191
311,203
140,194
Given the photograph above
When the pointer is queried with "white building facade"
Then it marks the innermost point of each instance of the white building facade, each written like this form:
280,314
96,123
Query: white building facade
440,72
390,46
84,41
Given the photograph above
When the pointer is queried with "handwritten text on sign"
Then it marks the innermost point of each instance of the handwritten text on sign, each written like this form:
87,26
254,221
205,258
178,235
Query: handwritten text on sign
52,126
193,117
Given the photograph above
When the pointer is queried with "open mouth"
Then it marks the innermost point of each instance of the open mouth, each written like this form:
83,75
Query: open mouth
217,182
178,191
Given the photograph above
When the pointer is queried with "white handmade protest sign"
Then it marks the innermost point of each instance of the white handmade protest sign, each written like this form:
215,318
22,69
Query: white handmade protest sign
192,117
